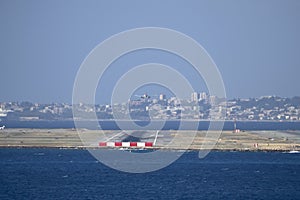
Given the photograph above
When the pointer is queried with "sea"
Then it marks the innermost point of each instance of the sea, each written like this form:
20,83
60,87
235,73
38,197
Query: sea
53,173
168,125
45,173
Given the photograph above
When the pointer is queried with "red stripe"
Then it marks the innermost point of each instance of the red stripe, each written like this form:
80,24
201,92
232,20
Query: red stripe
102,144
118,144
133,144
148,144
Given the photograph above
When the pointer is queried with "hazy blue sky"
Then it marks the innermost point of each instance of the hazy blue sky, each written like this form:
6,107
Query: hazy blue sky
255,43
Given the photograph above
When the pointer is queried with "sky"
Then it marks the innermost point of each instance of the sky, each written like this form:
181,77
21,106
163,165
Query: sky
254,43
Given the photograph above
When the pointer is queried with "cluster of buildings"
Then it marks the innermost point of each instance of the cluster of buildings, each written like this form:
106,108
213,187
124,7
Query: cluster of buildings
264,108
34,111
201,106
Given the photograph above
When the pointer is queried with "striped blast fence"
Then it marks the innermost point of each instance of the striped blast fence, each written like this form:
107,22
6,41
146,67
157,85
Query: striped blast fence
125,144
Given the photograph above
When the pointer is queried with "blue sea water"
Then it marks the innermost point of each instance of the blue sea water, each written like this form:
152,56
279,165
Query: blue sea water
41,173
112,125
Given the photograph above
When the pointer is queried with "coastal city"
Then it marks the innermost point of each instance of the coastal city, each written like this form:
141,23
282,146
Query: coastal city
145,100
200,106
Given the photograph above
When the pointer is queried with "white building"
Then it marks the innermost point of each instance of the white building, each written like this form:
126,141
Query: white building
194,96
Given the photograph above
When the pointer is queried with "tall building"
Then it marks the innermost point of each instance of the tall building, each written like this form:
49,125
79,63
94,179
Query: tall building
212,100
203,96
194,96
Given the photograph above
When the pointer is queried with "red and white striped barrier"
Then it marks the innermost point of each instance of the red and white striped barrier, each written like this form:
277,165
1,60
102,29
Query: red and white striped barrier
125,144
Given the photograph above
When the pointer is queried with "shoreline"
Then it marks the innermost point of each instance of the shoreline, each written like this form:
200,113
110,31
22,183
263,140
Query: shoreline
151,149
103,120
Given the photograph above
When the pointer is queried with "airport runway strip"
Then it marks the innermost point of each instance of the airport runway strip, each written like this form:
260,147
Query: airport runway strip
166,139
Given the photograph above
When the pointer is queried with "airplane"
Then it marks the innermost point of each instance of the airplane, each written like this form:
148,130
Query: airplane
144,96
2,127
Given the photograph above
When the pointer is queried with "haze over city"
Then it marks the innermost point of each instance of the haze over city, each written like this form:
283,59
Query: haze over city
43,44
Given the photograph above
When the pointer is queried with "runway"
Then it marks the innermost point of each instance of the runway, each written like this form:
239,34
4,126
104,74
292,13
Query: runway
166,139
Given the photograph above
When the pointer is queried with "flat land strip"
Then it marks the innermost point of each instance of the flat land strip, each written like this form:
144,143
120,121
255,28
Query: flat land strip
227,141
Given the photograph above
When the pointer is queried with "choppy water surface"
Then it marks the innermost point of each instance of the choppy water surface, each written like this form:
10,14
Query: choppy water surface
68,173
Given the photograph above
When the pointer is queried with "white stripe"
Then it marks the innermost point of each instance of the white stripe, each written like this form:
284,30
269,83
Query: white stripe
141,144
154,142
110,144
125,144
